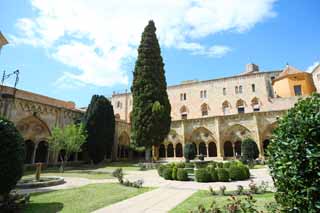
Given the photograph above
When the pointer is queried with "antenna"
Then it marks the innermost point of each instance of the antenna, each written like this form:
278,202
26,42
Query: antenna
6,76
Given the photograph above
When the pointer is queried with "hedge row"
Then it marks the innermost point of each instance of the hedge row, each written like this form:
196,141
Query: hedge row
173,172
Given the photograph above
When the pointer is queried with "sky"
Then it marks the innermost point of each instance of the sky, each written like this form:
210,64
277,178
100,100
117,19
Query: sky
74,49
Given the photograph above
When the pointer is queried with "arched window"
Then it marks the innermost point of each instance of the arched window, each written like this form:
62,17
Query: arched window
226,107
204,109
255,103
253,87
228,149
119,104
240,89
212,150
29,149
42,152
224,91
179,150
184,112
170,151
236,89
202,149
240,106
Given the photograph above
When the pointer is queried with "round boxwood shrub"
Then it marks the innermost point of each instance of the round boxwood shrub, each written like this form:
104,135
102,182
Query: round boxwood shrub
174,173
12,156
161,169
180,165
167,173
294,157
189,151
226,165
223,175
237,173
202,175
182,175
213,174
246,171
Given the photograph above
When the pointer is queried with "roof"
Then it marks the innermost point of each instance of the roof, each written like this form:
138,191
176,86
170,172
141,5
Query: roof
289,70
3,40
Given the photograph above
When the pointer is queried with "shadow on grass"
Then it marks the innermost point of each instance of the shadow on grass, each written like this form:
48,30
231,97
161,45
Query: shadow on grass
44,207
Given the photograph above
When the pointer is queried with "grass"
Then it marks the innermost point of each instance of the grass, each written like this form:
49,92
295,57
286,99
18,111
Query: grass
126,166
205,198
259,166
83,199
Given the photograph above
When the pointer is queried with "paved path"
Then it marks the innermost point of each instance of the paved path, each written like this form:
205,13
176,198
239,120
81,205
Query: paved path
171,193
156,201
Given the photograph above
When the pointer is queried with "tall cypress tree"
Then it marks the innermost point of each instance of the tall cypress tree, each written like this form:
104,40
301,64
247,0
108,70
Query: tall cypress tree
100,126
151,107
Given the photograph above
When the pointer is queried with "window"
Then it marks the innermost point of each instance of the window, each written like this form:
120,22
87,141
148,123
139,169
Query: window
225,107
183,96
297,90
240,106
272,78
204,109
203,94
255,104
119,104
224,91
240,89
184,112
253,87
236,89
318,77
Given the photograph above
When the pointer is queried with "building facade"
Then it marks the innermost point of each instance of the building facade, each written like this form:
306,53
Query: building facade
35,116
217,115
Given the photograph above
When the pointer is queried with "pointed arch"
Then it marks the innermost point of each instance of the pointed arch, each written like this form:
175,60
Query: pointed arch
255,103
226,107
184,112
204,109
33,128
240,104
202,134
212,149
179,150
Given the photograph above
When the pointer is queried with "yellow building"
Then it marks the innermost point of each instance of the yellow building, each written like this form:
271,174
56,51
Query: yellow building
3,40
293,82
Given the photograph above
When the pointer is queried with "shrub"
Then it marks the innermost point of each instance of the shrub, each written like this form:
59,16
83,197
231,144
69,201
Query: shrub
202,175
219,165
213,174
11,156
201,164
213,164
293,156
174,173
223,175
246,171
239,190
249,150
226,165
182,175
180,165
212,191
189,151
161,169
237,173
167,173
118,174
222,190
253,187
189,165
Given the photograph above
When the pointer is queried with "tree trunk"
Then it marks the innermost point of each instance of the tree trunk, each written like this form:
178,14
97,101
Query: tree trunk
148,154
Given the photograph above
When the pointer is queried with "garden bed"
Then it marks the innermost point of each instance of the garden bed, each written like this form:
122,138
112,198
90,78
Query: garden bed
46,181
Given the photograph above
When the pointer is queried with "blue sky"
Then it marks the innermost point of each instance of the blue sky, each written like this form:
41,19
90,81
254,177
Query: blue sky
73,49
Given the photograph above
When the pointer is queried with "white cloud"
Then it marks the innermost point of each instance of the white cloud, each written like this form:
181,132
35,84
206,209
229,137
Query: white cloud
98,37
313,66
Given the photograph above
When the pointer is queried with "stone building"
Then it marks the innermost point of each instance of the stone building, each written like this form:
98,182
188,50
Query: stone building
35,116
216,115
316,77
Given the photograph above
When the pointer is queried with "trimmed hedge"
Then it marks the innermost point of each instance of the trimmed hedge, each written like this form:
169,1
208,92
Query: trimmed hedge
202,175
161,169
174,173
213,174
180,165
223,175
182,175
167,173
237,173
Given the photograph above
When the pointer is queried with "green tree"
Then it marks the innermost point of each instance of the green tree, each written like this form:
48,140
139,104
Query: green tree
100,125
12,156
249,150
151,108
69,139
189,152
294,157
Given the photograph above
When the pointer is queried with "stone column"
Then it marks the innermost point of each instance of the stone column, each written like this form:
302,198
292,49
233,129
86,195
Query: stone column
34,153
218,139
234,150
197,148
174,152
207,146
166,150
257,136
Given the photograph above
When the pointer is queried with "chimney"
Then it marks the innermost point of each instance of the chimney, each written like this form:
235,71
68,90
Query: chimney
250,68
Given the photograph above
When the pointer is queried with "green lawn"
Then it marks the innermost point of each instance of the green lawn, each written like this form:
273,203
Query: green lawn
126,166
83,199
205,198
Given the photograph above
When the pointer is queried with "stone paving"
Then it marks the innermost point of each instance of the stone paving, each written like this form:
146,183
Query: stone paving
171,193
